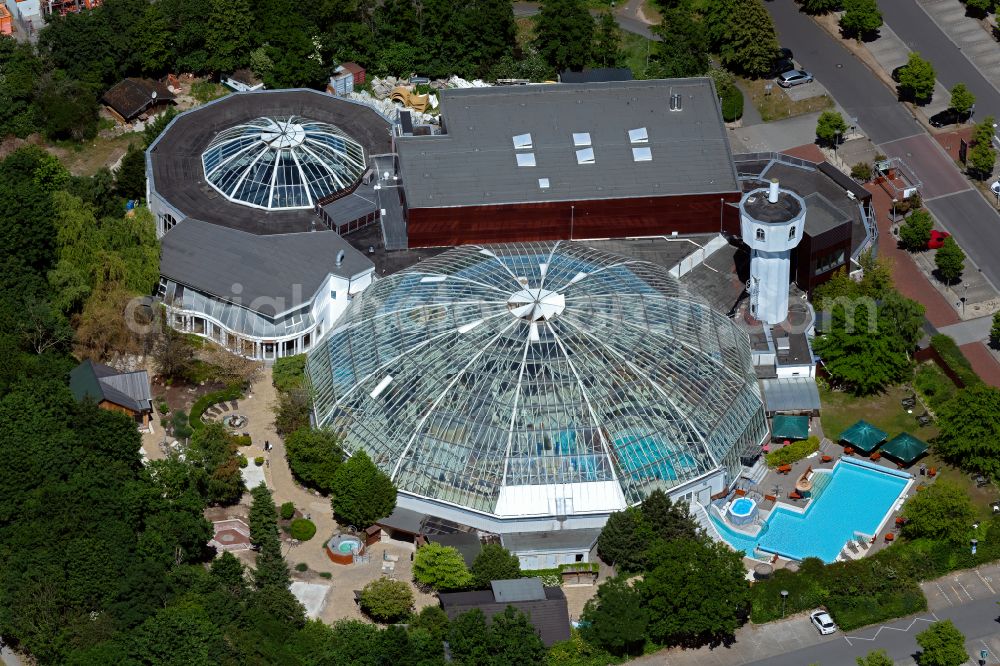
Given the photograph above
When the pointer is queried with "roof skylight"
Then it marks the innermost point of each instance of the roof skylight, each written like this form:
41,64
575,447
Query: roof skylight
522,142
525,159
638,135
642,154
585,156
581,139
543,183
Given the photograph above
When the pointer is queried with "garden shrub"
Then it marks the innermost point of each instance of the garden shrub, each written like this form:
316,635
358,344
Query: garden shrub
955,359
288,510
732,104
794,452
325,574
288,373
302,566
242,440
935,386
302,529
242,460
234,392
862,171
259,460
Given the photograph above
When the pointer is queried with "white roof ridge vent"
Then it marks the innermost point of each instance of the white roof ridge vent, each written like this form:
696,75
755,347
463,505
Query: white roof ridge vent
381,386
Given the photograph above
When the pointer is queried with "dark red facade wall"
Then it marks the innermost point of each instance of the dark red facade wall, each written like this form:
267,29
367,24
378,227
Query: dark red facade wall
605,218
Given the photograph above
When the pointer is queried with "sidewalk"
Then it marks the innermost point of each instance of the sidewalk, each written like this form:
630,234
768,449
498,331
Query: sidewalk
970,35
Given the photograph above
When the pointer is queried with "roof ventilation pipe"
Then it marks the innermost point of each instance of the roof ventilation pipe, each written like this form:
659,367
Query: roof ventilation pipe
340,257
676,101
772,192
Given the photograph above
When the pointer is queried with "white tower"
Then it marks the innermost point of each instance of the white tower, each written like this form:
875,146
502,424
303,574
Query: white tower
771,221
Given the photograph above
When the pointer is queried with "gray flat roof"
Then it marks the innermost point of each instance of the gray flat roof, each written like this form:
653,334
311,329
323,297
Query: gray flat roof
822,216
519,589
521,542
174,159
475,161
283,270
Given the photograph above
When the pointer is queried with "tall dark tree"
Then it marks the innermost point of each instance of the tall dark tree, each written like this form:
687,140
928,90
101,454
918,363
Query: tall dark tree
362,493
970,430
616,619
314,456
743,34
682,50
130,178
607,50
514,639
624,539
564,34
494,562
227,39
668,519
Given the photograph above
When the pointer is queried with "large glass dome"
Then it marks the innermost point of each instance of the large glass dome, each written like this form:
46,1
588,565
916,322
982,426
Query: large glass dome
537,379
282,163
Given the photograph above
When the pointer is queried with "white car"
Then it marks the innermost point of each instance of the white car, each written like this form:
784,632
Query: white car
823,622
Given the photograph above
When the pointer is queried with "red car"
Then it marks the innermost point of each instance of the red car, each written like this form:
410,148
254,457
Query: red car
937,239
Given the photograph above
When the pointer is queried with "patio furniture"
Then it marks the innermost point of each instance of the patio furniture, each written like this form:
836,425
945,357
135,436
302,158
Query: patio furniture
904,448
875,457
889,536
794,495
931,472
827,459
981,481
924,419
848,451
784,469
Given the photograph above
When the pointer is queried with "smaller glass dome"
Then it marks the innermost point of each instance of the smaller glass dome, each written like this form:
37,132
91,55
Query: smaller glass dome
282,163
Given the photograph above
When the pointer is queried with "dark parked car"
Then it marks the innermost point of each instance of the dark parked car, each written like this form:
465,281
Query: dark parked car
948,117
784,54
780,67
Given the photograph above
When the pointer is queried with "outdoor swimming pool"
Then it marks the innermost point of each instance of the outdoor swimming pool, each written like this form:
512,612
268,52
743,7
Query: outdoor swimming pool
857,499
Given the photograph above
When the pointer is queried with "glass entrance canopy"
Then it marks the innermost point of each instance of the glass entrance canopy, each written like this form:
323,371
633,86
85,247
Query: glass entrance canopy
282,163
537,378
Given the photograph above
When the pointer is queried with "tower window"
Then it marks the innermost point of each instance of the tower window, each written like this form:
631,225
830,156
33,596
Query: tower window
791,233
760,234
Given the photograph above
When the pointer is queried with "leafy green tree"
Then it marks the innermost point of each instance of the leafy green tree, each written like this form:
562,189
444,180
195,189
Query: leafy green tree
433,620
615,619
20,70
875,658
289,373
995,331
983,156
861,19
904,317
67,108
941,511
314,456
564,34
182,635
942,644
227,36
830,127
980,8
962,99
469,638
624,539
159,123
362,493
818,7
441,568
607,51
682,50
494,562
130,178
743,34
915,232
949,260
861,354
970,430
916,79
386,600
695,592
213,450
514,639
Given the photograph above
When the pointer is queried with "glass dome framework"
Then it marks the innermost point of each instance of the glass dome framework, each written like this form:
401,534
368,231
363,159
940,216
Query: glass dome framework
282,163
487,376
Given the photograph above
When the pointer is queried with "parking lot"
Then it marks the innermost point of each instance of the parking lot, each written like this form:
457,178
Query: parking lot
962,587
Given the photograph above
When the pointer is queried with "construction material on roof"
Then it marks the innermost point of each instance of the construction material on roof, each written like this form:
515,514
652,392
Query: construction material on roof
407,97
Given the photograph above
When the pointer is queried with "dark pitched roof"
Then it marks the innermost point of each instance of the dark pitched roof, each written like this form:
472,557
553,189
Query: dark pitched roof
596,75
549,615
235,266
130,97
475,162
103,383
466,543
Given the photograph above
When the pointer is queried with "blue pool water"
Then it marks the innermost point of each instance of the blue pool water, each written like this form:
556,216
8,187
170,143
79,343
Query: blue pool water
647,458
742,506
856,499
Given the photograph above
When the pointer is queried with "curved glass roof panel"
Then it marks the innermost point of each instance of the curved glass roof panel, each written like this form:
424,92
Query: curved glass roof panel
503,378
282,163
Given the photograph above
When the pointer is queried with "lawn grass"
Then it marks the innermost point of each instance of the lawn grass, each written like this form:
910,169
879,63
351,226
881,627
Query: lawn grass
841,410
778,105
637,49
87,157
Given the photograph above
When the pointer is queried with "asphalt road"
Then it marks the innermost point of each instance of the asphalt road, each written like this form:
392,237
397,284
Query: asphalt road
977,620
969,217
915,27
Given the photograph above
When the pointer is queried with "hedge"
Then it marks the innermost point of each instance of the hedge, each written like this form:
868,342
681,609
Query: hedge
794,452
302,529
873,589
953,357
732,104
233,392
552,577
